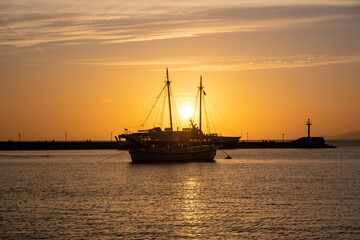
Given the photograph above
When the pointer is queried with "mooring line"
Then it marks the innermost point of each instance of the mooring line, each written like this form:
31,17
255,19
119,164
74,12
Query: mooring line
227,155
109,157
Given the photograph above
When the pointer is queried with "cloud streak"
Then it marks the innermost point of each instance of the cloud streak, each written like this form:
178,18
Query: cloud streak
68,28
274,63
216,64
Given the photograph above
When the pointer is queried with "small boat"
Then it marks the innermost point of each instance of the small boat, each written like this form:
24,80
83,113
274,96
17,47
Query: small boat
169,146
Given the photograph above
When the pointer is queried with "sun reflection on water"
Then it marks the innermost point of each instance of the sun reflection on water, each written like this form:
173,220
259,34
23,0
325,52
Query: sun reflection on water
192,206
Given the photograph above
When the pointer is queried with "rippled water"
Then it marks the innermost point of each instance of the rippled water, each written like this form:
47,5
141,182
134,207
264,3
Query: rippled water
259,194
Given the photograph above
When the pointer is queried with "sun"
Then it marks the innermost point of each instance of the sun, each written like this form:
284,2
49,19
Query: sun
186,112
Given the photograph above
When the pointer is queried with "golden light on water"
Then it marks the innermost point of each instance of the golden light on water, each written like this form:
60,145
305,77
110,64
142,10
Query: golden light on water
192,204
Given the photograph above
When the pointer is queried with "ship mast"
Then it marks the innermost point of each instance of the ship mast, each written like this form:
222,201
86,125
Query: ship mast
168,89
201,90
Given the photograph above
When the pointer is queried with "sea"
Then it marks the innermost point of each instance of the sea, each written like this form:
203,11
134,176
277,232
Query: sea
258,194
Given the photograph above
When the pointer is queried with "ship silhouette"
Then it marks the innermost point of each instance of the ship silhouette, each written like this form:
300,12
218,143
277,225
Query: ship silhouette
167,146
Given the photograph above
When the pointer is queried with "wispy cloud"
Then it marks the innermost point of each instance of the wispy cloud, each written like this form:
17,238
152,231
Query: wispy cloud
69,28
252,63
217,64
150,6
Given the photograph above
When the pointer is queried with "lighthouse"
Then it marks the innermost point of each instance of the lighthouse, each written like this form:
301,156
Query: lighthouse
308,123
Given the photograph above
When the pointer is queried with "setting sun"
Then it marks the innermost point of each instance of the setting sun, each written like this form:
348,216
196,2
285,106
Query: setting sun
186,112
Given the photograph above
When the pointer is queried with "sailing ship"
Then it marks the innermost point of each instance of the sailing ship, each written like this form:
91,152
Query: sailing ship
169,145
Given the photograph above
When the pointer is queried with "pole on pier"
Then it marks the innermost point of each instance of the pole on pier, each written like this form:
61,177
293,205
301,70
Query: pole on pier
283,137
19,137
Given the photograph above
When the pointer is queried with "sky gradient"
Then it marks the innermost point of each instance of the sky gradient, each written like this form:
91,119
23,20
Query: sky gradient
89,68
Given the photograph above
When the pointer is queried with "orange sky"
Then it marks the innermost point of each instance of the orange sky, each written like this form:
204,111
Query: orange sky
89,68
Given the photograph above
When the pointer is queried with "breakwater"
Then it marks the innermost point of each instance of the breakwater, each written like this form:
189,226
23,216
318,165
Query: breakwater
58,145
305,142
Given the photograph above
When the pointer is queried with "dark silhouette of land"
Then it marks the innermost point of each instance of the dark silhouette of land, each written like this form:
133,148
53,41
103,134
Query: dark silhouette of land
55,145
305,142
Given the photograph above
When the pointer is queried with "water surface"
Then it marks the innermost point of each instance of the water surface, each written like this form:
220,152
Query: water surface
259,194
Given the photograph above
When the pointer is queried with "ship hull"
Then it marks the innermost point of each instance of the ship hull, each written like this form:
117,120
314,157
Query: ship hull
206,154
